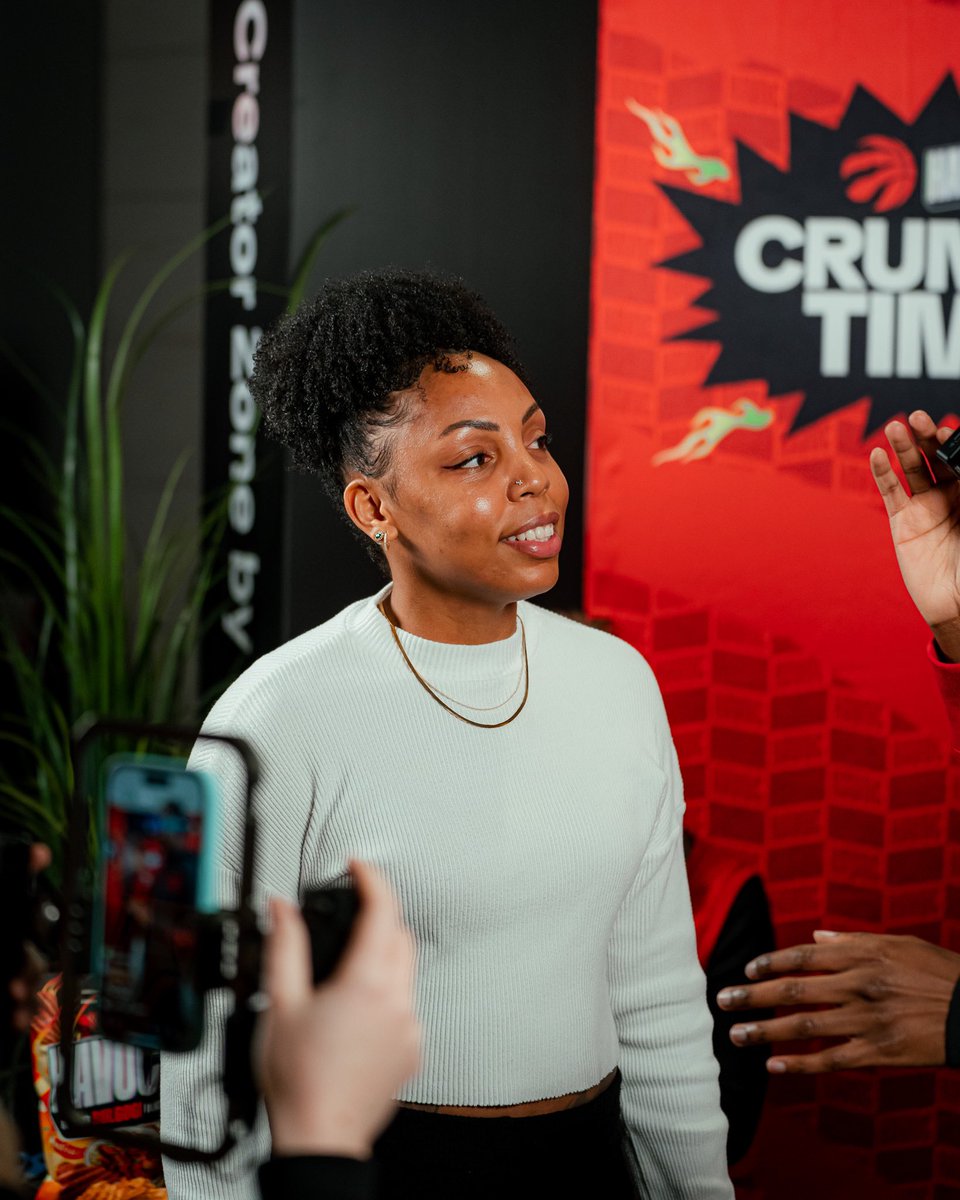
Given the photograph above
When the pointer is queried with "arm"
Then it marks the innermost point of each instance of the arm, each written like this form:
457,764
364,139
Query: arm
889,998
331,1058
670,1096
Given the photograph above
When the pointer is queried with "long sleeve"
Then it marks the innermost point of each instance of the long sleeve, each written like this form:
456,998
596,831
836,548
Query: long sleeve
670,1096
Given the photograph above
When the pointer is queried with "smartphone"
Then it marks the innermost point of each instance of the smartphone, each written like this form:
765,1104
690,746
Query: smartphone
949,452
329,914
159,848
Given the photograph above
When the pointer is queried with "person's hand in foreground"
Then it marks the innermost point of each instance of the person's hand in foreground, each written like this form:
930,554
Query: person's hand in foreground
23,987
888,997
330,1058
924,524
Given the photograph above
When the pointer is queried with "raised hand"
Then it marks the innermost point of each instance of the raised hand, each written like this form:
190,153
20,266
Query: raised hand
924,524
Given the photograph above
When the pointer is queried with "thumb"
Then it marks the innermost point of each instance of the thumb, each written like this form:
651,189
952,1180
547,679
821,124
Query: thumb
287,972
377,925
833,935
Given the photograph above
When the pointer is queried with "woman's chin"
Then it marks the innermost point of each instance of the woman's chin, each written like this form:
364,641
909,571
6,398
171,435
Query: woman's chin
542,580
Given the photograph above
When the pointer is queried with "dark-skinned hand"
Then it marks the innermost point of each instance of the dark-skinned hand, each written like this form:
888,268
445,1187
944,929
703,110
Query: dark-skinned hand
887,997
924,523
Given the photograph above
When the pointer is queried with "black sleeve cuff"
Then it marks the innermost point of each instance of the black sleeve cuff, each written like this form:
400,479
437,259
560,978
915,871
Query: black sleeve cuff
953,1028
287,1176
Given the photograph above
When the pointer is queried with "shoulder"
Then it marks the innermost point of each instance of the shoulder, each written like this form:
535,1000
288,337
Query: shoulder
303,672
601,676
589,649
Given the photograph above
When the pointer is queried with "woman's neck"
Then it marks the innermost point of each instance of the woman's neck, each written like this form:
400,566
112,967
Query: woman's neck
440,617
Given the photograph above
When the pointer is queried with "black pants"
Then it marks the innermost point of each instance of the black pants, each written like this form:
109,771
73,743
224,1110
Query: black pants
432,1156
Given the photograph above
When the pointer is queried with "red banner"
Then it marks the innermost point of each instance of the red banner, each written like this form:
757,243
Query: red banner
776,254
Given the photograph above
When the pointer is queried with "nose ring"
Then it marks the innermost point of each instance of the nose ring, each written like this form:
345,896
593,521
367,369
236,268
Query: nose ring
518,482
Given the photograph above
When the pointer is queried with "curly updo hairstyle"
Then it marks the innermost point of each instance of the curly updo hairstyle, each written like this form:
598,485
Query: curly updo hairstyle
326,377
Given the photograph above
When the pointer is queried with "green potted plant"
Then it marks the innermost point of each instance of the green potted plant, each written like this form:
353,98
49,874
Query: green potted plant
114,638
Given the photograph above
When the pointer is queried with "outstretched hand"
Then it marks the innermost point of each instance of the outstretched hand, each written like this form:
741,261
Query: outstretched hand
924,523
888,997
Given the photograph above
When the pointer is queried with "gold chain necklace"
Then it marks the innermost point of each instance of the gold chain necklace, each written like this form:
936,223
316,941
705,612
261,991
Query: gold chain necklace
433,694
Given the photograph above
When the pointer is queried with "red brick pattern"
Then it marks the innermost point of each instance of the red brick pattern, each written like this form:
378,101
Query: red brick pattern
853,814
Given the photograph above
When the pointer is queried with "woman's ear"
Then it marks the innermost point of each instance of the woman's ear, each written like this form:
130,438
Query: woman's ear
367,506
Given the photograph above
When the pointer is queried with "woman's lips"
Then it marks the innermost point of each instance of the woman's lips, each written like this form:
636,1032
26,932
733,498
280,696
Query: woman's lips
545,549
543,541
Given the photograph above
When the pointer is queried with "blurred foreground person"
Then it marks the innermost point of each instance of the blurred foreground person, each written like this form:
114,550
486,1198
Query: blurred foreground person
894,1000
330,1059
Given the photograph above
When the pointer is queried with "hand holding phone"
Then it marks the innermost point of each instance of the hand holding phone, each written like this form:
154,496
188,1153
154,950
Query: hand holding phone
330,1058
329,914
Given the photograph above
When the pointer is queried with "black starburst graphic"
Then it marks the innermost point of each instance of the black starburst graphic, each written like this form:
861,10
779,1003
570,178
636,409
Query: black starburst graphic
860,170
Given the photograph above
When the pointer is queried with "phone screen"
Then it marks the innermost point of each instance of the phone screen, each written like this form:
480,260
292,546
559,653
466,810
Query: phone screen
158,830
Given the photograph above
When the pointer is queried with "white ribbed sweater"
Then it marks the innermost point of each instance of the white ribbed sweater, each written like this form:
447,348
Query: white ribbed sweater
540,867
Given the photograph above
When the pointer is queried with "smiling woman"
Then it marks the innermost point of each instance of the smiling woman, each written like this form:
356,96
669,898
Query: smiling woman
511,773
471,512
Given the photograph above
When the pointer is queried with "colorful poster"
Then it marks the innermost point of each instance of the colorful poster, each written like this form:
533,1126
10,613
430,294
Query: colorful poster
776,255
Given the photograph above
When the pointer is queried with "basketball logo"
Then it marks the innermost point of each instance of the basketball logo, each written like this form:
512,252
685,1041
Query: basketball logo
883,170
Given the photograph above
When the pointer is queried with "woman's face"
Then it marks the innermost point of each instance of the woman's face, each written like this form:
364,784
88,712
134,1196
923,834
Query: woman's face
473,494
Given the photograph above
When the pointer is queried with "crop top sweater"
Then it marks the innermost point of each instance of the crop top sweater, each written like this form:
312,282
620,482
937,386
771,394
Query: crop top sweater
540,867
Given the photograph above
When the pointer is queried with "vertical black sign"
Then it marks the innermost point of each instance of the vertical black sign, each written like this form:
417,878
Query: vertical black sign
249,169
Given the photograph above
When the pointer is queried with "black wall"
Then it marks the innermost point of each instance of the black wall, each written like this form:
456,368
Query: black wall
49,214
49,201
463,133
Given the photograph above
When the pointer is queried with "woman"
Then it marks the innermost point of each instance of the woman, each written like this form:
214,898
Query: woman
509,772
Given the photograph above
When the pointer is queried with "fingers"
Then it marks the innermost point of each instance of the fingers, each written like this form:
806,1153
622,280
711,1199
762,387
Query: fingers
378,942
838,1058
785,993
40,857
800,1027
888,485
912,462
837,953
374,892
929,438
287,969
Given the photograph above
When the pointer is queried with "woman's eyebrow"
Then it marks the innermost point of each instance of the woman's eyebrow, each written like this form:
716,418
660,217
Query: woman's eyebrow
492,426
489,426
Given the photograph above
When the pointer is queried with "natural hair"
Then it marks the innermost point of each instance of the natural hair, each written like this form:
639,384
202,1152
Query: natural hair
326,377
